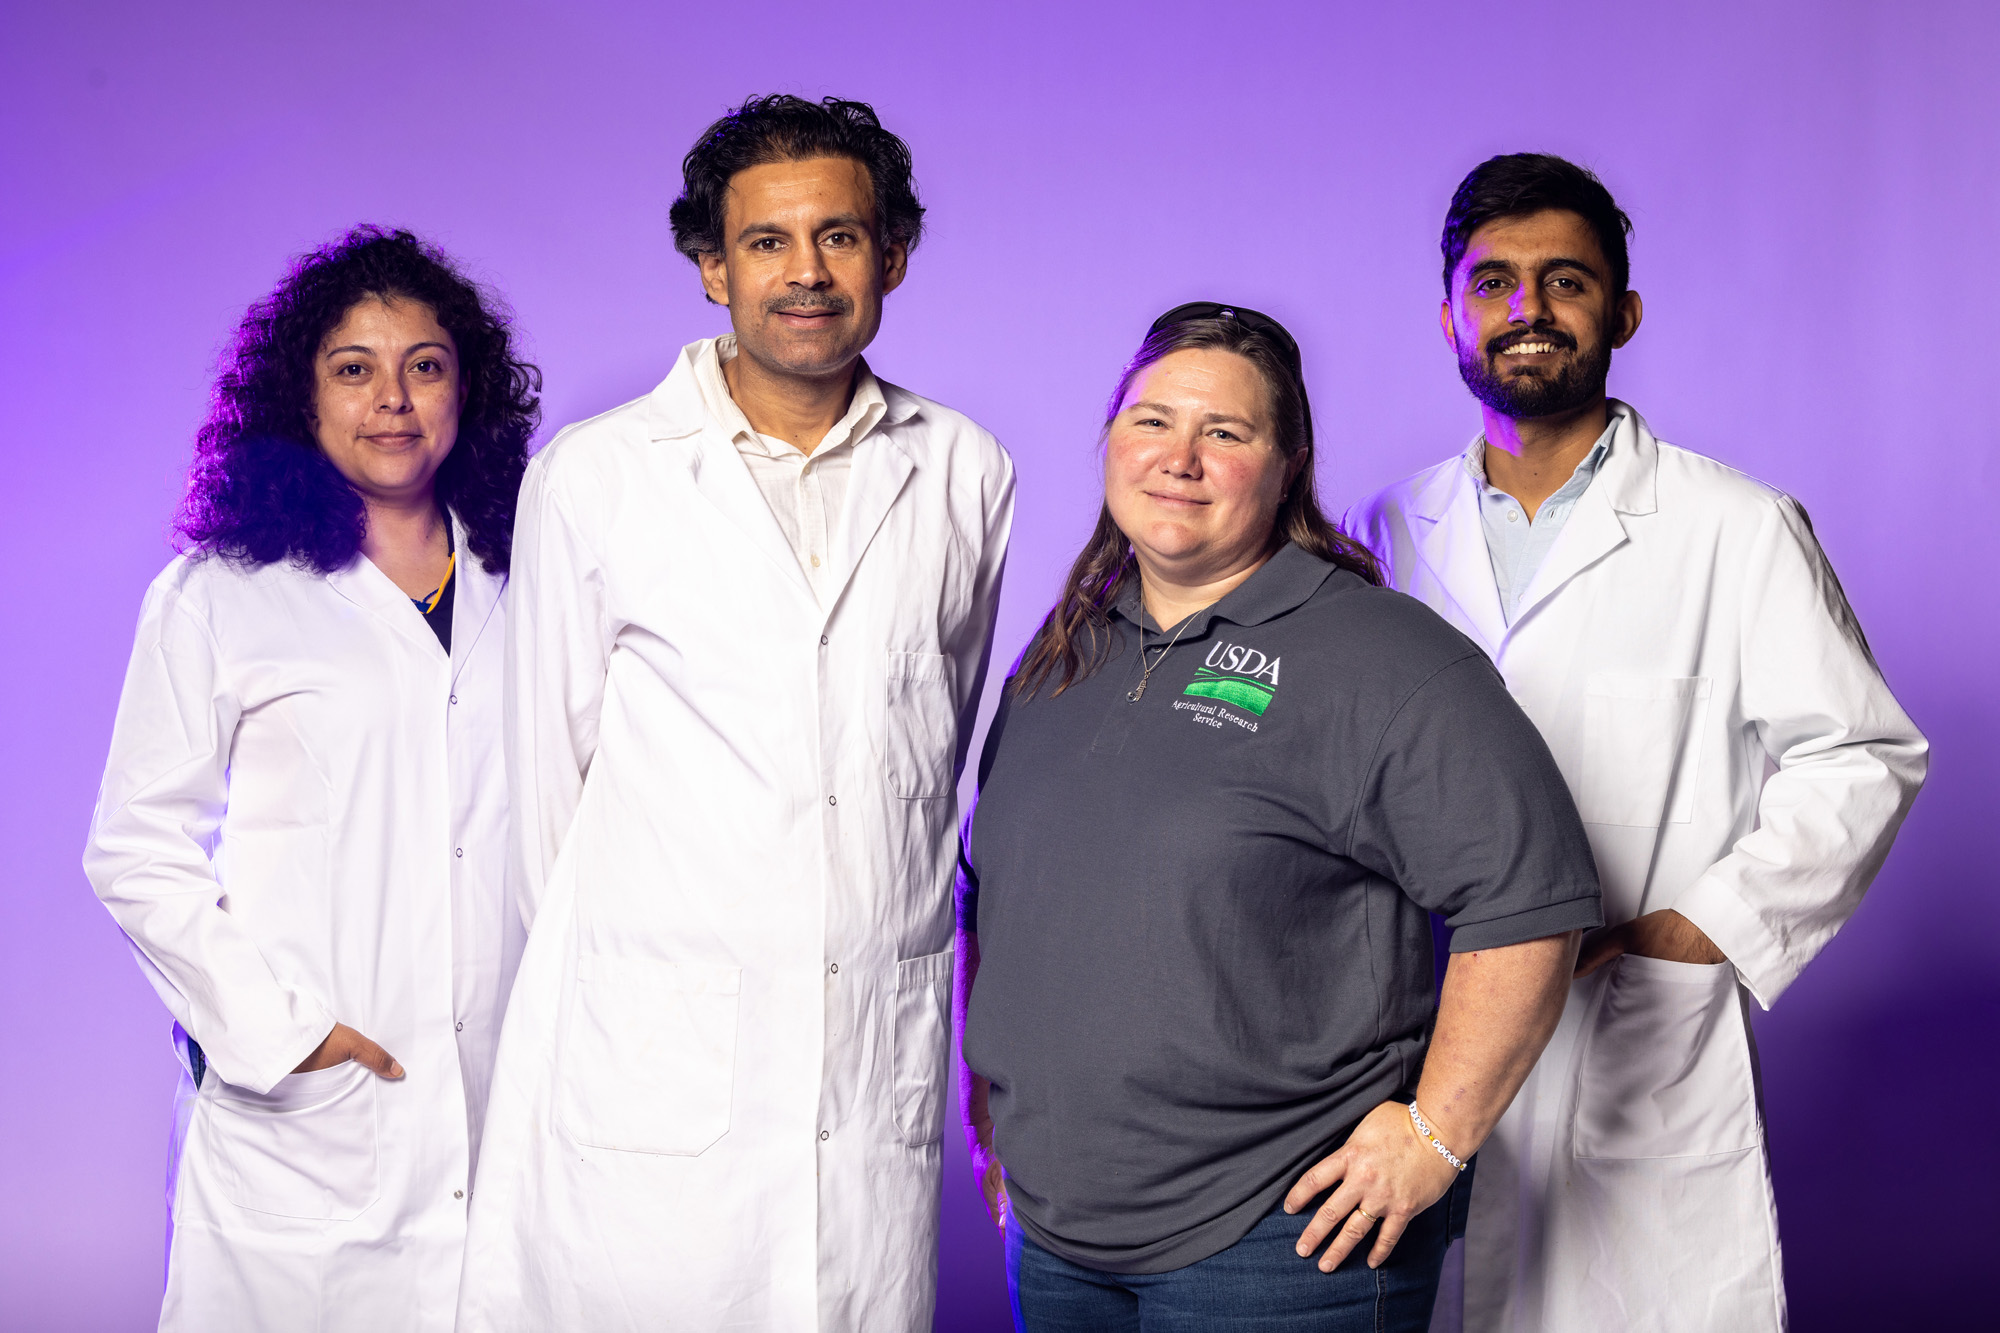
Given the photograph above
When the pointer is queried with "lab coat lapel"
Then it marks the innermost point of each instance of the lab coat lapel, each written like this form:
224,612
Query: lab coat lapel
881,468
724,480
367,587
676,416
1452,542
1626,484
473,602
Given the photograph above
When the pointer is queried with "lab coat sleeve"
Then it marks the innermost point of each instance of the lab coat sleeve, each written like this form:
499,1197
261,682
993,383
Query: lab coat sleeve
1848,764
971,650
158,818
558,648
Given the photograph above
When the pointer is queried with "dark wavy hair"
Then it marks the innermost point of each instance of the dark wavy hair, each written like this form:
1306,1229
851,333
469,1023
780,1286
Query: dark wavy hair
260,490
1516,184
1075,639
783,128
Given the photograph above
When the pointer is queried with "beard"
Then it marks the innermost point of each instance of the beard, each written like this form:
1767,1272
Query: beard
1578,381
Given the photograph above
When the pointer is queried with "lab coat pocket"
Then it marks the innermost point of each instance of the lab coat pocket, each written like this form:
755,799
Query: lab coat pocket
919,725
923,1045
1665,1066
1641,740
648,1058
304,1149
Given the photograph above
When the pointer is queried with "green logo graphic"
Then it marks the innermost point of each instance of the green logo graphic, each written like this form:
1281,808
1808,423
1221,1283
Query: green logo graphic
1250,695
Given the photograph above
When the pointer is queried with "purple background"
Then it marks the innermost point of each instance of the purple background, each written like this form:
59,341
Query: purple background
1815,192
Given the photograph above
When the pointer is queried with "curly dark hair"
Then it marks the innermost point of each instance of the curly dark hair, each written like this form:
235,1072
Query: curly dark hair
260,490
783,128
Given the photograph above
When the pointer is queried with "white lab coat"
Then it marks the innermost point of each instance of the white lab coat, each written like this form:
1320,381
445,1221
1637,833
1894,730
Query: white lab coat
1689,656
303,820
722,1080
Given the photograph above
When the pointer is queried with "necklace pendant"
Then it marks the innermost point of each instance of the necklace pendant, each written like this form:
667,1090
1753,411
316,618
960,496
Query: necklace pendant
1134,695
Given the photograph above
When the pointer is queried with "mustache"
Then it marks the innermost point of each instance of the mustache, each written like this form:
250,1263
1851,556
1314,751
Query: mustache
1496,345
832,302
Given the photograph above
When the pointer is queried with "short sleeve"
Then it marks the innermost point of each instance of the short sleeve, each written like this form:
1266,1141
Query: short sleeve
1464,809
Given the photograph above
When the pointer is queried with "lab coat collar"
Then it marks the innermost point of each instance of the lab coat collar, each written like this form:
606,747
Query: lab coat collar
1451,539
1626,484
681,405
367,587
1628,474
679,411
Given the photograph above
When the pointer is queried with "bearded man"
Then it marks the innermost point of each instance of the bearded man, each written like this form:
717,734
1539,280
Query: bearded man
1676,633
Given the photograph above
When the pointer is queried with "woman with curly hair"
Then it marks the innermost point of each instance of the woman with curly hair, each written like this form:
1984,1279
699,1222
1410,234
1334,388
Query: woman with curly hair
302,823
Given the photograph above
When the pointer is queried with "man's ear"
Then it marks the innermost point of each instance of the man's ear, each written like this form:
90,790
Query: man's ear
1625,320
1444,322
895,265
714,277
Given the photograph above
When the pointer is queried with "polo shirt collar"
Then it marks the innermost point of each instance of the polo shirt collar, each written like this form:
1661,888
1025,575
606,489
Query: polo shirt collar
1284,583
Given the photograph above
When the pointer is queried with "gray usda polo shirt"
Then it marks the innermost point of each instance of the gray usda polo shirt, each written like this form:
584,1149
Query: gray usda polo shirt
1203,924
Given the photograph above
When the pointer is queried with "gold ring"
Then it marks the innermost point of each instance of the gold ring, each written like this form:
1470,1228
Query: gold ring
1365,1213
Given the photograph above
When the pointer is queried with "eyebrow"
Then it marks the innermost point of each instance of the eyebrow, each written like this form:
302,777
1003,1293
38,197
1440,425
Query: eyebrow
1208,418
413,347
775,229
1506,266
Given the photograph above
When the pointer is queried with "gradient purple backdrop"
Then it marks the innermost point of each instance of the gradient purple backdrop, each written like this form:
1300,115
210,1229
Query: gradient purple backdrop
1816,187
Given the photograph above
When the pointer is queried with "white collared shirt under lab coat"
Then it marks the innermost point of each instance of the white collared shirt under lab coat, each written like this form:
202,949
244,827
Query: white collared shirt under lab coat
303,821
1684,638
722,1081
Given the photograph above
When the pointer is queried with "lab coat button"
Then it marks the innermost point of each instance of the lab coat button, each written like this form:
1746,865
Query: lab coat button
458,851
833,800
822,640
458,1194
458,1027
833,967
823,1136
454,698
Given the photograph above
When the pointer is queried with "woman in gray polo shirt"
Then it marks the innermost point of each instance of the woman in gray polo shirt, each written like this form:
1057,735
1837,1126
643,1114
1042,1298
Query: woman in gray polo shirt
1229,780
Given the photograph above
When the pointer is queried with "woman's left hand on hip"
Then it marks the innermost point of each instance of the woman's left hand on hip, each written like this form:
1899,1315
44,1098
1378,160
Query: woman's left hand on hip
1384,1173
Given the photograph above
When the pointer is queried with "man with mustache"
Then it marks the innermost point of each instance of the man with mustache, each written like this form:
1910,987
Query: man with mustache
753,612
1675,632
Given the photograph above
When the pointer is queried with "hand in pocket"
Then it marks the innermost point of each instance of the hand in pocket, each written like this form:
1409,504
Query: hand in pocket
1666,935
344,1044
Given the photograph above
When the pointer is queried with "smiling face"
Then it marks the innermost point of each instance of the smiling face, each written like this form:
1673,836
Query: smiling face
802,269
387,398
1532,316
1193,471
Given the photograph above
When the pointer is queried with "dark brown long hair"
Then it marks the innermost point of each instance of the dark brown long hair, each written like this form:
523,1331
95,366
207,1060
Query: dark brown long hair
1075,638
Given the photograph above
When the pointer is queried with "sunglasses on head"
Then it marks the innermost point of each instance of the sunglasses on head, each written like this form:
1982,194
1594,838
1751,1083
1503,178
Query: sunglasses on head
1248,318
1255,320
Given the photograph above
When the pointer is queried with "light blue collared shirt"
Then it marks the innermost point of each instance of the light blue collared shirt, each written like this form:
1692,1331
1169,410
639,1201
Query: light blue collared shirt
1517,546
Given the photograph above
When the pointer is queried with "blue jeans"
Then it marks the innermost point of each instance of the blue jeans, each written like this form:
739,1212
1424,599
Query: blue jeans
1258,1283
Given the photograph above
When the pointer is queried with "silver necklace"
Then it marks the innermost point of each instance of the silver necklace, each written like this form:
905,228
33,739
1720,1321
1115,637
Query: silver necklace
1135,695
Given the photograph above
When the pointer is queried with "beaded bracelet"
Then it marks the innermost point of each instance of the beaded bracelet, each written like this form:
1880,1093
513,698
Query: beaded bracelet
1424,1130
